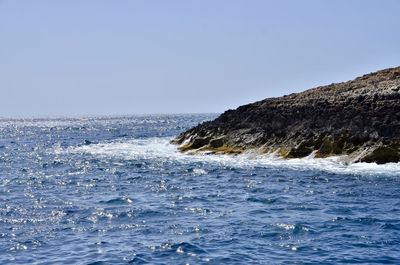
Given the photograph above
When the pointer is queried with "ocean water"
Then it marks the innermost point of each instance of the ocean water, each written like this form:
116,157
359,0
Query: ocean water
114,191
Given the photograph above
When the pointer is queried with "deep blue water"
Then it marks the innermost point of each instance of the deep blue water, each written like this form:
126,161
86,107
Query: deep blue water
113,191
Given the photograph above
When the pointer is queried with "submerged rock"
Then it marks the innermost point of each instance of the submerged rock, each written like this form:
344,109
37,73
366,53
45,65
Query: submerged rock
358,118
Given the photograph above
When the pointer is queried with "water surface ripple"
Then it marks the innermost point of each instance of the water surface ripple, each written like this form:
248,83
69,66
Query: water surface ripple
113,191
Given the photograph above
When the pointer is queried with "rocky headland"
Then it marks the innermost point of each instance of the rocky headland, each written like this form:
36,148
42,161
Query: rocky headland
359,119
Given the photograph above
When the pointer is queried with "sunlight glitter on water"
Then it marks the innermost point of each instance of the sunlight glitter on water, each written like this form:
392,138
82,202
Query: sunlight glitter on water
115,191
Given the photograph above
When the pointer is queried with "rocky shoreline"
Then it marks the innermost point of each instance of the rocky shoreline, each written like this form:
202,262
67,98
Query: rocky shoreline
359,119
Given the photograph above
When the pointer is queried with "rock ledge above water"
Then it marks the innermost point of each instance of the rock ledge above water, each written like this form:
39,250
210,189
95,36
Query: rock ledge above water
358,118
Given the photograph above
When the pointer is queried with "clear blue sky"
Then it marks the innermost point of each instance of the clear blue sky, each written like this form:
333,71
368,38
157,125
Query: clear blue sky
94,57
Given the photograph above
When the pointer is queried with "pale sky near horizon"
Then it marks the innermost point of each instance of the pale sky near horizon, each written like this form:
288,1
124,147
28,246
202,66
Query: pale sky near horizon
97,57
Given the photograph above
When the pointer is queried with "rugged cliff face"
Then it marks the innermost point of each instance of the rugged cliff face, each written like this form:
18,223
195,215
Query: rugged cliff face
358,118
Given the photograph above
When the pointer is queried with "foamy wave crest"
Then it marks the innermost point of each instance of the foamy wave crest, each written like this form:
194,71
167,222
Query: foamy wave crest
161,149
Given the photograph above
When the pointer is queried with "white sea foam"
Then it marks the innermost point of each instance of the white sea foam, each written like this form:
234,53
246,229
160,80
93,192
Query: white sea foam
161,149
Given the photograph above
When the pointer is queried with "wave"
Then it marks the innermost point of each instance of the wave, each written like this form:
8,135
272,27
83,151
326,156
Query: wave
160,149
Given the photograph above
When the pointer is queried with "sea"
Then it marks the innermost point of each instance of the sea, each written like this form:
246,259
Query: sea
113,190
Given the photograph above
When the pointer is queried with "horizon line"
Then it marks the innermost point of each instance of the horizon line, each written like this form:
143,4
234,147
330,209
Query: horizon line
99,116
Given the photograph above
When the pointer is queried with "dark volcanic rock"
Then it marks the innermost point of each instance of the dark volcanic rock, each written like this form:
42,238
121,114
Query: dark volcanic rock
358,118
